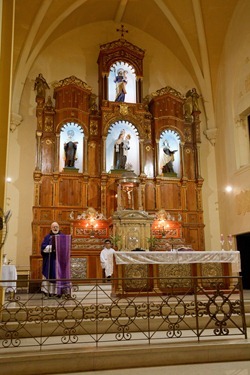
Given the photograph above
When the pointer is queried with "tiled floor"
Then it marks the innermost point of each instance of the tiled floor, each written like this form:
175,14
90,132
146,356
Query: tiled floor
229,368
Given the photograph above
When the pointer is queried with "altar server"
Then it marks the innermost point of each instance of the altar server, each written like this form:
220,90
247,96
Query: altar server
106,257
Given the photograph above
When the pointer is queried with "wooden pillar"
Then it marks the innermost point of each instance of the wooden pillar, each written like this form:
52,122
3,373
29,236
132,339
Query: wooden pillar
157,153
141,156
38,151
182,161
57,153
85,155
140,198
104,154
119,198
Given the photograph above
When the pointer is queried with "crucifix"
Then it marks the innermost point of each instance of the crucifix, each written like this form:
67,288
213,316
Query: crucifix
122,31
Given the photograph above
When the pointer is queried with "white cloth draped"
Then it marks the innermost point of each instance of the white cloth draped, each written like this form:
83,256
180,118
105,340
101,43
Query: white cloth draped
9,273
178,257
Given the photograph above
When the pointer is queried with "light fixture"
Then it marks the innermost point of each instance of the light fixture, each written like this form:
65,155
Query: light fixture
228,188
8,179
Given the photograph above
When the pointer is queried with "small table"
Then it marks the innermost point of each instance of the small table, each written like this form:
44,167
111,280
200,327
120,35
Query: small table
9,273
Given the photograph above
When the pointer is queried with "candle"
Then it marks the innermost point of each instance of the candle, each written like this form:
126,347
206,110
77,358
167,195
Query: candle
222,237
230,238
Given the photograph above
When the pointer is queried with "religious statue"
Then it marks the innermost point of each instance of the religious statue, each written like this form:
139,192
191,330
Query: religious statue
121,82
168,158
118,150
70,149
122,145
194,96
40,86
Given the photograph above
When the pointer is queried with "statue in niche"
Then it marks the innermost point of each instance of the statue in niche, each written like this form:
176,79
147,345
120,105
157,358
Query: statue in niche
118,151
129,191
122,145
168,158
121,81
40,86
125,148
70,149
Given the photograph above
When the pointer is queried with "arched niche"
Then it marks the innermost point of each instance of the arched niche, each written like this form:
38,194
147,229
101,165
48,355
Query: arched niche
170,153
123,52
133,161
122,83
73,132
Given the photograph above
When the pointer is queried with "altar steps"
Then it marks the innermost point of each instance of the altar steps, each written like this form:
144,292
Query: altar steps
83,304
59,357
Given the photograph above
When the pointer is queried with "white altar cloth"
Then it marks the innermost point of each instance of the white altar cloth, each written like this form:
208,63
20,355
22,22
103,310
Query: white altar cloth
9,273
177,257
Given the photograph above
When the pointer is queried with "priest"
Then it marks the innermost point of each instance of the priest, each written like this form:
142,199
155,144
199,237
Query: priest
55,250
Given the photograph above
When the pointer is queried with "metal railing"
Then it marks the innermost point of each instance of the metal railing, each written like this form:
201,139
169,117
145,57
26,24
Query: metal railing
92,314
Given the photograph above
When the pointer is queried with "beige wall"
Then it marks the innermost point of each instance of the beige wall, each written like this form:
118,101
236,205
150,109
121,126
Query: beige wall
232,105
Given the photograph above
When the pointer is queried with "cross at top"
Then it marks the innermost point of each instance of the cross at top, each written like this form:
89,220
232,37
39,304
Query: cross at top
122,31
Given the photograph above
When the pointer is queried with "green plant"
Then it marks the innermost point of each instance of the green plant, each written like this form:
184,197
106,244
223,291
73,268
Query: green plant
116,238
152,241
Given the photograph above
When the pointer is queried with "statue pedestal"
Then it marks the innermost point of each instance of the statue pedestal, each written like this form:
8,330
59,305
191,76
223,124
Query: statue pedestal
70,170
169,174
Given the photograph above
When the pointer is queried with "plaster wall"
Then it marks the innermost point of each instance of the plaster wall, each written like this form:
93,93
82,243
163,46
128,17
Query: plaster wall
232,105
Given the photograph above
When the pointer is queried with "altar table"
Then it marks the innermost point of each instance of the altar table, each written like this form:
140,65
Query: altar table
149,270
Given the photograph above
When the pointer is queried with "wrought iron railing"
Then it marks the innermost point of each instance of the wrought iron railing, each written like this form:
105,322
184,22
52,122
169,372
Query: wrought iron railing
91,314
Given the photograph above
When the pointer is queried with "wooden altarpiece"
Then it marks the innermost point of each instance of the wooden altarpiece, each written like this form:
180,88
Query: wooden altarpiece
64,194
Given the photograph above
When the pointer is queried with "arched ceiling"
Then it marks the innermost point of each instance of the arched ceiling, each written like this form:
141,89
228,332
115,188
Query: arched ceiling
194,30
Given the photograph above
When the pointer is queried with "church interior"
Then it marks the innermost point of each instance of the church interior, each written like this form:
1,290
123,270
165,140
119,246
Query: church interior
127,120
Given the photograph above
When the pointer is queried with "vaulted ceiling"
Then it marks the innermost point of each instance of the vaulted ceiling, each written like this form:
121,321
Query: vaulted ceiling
194,30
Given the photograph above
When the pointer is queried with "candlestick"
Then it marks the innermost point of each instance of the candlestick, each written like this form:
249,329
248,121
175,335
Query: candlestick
230,242
222,242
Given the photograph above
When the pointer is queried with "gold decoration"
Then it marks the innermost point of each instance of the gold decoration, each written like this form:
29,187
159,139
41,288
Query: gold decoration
122,43
137,276
168,90
123,109
48,122
94,127
211,270
78,268
72,80
175,271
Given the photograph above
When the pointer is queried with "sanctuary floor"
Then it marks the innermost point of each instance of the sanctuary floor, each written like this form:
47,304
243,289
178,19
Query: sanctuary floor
228,368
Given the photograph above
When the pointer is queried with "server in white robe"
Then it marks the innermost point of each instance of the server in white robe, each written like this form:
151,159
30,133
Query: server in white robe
107,259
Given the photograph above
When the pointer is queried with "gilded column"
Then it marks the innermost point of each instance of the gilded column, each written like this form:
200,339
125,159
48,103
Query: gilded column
85,161
57,153
38,151
119,198
141,156
183,169
140,198
104,154
157,158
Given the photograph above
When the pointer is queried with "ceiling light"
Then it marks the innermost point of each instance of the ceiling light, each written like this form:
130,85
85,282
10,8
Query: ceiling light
228,188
